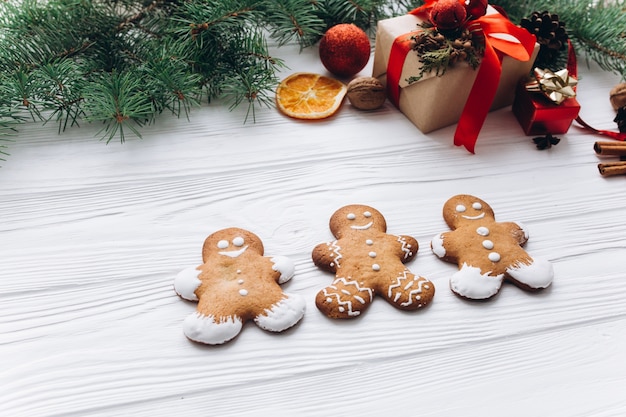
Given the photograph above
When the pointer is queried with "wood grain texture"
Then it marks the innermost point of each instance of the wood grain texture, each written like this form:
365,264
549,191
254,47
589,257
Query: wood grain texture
92,236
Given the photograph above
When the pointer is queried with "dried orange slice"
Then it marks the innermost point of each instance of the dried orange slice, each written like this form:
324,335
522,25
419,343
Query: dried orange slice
305,95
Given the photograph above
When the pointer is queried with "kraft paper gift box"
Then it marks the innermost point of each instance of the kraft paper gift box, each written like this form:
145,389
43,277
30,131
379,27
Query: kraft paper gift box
437,101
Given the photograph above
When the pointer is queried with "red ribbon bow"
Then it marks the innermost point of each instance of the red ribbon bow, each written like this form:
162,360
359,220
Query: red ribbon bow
486,84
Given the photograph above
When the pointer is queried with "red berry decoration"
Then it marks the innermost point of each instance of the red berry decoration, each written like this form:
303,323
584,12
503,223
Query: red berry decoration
476,8
344,49
448,14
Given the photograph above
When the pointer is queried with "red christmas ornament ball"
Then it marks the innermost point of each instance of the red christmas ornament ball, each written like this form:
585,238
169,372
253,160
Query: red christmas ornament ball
344,49
448,14
476,8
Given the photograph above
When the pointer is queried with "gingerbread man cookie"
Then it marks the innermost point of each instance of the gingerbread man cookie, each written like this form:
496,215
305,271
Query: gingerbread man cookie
487,252
234,284
367,261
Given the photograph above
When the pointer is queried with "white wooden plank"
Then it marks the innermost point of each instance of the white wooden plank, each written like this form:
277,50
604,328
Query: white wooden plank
92,236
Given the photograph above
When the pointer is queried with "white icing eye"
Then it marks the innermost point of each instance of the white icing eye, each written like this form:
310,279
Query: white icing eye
461,208
367,214
238,241
351,216
477,206
222,244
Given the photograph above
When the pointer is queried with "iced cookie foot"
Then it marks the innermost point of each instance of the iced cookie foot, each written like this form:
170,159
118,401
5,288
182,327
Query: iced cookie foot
282,315
470,282
344,299
410,292
206,329
536,275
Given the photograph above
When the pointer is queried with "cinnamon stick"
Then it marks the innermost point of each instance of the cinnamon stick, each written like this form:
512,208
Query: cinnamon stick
610,148
612,168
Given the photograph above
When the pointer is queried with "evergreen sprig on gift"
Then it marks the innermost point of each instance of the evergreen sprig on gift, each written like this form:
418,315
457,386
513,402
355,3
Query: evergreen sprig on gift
437,51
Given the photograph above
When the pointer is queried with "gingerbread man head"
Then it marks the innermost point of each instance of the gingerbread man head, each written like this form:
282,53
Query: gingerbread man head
356,219
466,210
232,243
235,284
367,261
487,252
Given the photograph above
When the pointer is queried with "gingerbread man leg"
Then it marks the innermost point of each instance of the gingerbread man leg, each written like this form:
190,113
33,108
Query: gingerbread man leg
345,298
470,282
207,329
409,292
283,314
535,275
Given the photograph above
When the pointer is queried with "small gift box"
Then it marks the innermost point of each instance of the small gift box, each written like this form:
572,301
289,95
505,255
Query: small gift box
436,100
544,106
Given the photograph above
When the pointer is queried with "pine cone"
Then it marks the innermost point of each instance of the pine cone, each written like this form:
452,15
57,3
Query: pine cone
550,33
620,119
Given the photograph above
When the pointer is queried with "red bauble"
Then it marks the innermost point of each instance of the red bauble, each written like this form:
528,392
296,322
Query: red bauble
448,14
476,8
344,49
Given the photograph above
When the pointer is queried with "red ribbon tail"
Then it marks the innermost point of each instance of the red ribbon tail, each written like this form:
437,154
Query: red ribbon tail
479,101
609,133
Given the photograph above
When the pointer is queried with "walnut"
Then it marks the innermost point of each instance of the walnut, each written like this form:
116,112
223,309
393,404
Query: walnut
366,93
618,96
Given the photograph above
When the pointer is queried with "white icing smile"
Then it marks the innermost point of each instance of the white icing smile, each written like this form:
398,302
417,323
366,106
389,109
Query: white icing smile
233,253
364,227
480,216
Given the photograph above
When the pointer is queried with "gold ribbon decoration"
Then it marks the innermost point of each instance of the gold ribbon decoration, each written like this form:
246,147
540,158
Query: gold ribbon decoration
557,86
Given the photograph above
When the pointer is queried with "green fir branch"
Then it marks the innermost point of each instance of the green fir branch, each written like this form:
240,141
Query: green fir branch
120,103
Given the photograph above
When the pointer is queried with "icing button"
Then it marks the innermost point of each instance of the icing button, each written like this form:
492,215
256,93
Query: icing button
243,292
372,254
487,244
369,242
376,267
483,231
494,256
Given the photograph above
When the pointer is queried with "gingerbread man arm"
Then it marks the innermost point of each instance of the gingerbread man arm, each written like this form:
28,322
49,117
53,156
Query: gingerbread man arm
284,266
408,247
518,231
439,244
327,256
187,282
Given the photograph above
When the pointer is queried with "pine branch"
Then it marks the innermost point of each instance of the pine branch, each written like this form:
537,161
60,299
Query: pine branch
596,28
118,101
294,20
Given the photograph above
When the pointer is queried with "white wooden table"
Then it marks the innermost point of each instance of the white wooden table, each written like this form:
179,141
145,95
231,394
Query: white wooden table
92,237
